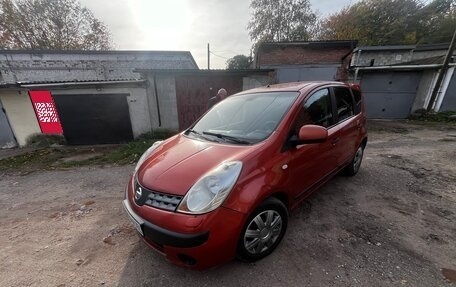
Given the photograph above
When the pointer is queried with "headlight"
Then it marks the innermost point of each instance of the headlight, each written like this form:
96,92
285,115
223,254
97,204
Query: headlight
146,154
210,191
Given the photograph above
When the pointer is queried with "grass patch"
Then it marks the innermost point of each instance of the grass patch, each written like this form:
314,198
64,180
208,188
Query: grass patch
43,140
57,157
124,154
42,157
442,117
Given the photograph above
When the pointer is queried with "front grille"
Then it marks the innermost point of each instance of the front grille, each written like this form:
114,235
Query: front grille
163,201
157,199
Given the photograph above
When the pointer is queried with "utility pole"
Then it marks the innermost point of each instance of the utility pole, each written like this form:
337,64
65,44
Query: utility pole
442,72
208,57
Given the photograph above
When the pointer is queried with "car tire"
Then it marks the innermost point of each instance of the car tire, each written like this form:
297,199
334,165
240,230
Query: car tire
353,167
263,231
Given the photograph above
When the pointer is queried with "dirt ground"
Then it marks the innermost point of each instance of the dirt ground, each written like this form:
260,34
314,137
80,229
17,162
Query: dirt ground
394,224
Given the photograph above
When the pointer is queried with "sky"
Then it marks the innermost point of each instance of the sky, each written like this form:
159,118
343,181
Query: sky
186,25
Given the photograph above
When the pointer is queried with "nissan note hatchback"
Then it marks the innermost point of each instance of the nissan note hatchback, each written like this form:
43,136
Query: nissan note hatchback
224,187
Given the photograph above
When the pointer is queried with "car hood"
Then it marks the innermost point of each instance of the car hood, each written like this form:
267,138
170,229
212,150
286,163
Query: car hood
178,163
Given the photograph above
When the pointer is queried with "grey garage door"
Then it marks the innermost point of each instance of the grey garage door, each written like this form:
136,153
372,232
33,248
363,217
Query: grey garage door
94,119
449,102
389,95
296,74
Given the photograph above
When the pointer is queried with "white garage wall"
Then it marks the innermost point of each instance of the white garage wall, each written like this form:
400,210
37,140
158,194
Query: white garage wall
20,113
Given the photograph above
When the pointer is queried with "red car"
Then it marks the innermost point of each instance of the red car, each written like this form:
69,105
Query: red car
224,187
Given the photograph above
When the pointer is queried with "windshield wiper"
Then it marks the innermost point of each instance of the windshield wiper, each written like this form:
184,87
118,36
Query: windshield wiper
193,131
198,134
227,137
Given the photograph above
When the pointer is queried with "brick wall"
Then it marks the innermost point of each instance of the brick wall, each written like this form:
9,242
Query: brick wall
301,55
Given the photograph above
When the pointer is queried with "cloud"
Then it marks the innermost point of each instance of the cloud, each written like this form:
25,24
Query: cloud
186,25
118,15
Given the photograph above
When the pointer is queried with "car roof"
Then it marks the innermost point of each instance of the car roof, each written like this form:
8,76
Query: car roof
292,87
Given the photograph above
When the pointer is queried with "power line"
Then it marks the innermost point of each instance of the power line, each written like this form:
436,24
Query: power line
231,51
219,55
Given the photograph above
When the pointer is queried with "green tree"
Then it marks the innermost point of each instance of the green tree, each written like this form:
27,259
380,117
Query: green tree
238,62
280,20
375,22
50,24
437,22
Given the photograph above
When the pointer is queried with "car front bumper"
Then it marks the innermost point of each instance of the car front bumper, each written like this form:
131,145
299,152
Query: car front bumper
191,241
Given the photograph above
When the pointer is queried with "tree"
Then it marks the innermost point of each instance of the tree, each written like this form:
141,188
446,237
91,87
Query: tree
374,22
437,21
238,62
280,20
383,22
50,24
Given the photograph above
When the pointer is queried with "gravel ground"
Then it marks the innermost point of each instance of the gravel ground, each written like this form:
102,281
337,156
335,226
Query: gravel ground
391,225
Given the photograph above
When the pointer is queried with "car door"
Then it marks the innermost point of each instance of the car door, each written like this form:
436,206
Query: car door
308,164
348,124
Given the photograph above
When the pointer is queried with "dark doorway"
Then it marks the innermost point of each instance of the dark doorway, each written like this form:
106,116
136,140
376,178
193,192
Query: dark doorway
94,119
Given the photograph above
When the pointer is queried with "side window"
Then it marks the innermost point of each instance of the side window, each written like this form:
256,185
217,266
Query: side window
358,98
315,111
344,103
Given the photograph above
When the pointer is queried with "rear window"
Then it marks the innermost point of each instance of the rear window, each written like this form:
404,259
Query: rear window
358,100
344,103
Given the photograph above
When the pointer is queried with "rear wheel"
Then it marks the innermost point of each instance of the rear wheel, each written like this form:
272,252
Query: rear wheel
355,164
263,231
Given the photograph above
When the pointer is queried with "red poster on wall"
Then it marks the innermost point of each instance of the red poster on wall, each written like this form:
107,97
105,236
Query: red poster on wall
46,112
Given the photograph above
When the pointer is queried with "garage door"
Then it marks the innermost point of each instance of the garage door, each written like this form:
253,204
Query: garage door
94,119
449,102
287,75
389,95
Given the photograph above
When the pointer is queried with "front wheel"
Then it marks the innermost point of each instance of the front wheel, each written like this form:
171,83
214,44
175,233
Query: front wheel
355,164
263,231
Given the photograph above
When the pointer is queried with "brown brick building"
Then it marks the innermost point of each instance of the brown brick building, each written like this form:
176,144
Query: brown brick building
300,61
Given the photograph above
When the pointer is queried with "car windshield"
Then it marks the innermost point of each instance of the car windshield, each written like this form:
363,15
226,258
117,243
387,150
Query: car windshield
245,119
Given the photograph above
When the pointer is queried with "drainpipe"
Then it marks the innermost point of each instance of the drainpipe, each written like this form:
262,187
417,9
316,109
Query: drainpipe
358,55
444,88
356,76
442,73
156,100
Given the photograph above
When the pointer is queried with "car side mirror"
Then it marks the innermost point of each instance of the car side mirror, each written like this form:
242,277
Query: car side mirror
310,134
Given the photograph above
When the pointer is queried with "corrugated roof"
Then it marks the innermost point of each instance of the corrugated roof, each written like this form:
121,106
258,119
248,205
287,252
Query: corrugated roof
78,81
425,61
30,84
433,47
203,72
31,51
425,47
385,48
101,52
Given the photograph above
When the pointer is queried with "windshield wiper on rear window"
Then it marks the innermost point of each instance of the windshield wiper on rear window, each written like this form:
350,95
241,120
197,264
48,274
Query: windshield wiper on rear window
227,137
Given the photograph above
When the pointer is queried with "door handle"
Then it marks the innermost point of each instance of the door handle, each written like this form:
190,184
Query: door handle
335,141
